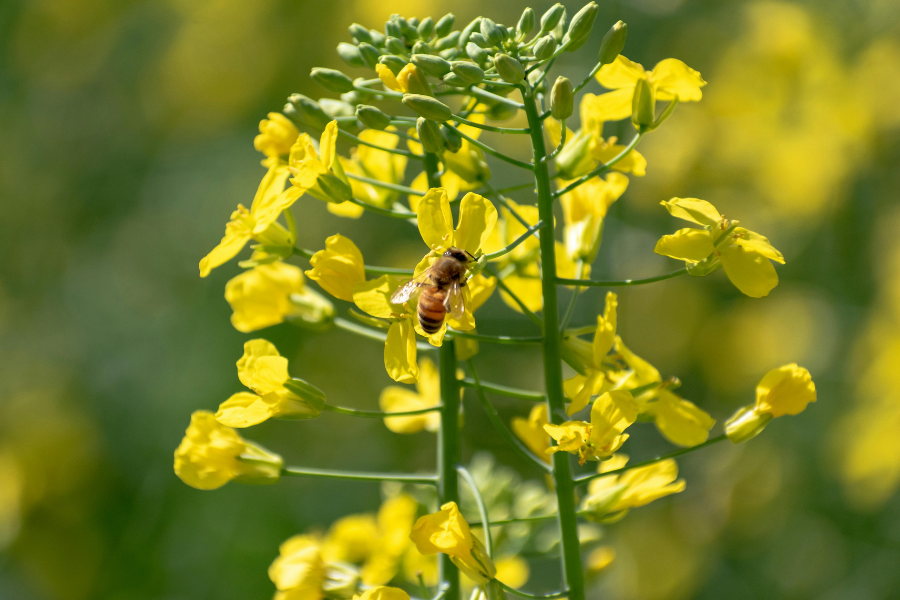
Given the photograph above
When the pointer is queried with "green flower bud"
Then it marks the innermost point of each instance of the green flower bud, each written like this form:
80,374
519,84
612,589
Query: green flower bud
580,27
562,99
421,47
468,72
414,21
552,17
409,31
479,40
746,424
311,397
575,159
306,112
261,467
526,23
430,135
332,80
360,33
545,47
445,25
613,42
369,54
448,42
378,38
467,32
452,140
478,55
417,83
394,46
372,117
643,105
426,28
455,80
492,32
394,63
431,65
392,28
428,107
509,68
350,54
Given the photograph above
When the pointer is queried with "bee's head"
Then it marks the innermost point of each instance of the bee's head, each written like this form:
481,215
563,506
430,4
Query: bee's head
457,254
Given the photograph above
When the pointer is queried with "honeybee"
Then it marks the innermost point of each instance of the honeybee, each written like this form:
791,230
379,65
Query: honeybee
439,289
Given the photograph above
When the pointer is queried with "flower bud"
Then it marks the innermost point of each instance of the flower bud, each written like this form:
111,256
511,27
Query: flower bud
305,111
370,54
580,27
378,38
575,159
332,80
445,25
455,80
597,506
479,40
336,108
428,107
421,47
430,135
562,99
452,140
414,81
613,42
469,72
394,45
372,117
426,28
408,29
260,466
545,47
492,32
468,31
478,54
350,54
509,68
746,424
360,33
431,65
552,17
447,42
394,63
643,105
526,23
311,398
392,28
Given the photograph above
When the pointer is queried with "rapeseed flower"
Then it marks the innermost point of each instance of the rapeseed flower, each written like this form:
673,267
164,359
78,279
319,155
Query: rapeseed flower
211,455
318,173
744,254
633,488
299,570
783,391
670,79
275,394
531,430
398,399
338,268
447,532
581,388
276,135
584,211
612,413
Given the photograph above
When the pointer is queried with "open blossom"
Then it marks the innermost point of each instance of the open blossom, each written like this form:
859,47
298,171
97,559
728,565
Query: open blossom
783,391
612,413
318,173
276,135
338,268
669,79
447,532
633,488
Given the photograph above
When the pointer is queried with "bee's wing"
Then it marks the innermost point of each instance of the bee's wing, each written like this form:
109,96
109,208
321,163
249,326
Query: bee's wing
411,287
455,302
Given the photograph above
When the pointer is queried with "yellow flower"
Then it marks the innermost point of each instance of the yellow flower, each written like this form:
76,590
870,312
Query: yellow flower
744,254
584,210
210,455
374,164
531,430
318,174
669,79
299,571
581,388
269,293
399,399
258,223
408,80
477,217
275,394
446,531
783,391
612,413
276,135
383,592
338,268
633,488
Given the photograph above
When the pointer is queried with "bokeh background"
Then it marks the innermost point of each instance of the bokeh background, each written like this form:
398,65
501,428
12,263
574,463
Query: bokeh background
126,134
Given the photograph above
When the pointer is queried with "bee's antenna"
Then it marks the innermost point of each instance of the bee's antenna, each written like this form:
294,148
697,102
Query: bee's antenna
472,256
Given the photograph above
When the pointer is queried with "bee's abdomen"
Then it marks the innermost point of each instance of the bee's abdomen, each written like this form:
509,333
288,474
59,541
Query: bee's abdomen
431,310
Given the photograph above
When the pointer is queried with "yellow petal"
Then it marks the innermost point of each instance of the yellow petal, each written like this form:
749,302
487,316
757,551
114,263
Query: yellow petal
785,391
477,217
693,210
269,374
400,352
527,289
338,268
435,219
611,414
689,244
674,78
531,431
243,410
445,531
387,78
253,351
645,372
429,385
328,143
679,420
621,73
236,237
271,197
633,162
346,209
260,297
752,241
374,297
583,395
398,399
615,105
749,271
605,336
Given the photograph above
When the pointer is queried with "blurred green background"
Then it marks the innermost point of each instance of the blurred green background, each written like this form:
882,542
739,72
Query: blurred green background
126,133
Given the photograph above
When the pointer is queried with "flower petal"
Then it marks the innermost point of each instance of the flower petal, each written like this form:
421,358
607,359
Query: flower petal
243,410
611,414
674,78
693,210
400,352
750,240
477,217
236,237
388,78
605,336
690,244
615,105
749,271
338,268
679,420
327,144
785,391
620,73
253,351
374,297
435,219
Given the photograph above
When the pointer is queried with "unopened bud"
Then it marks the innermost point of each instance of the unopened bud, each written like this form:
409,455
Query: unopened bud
746,424
394,45
430,135
509,68
408,29
332,80
562,99
492,32
545,47
350,54
378,38
643,105
421,47
426,28
307,402
478,54
258,465
468,31
448,42
452,140
370,54
552,17
360,33
502,112
526,23
580,27
455,80
394,63
341,581
428,107
613,42
372,117
431,65
479,40
392,29
445,25
469,72
415,81
306,112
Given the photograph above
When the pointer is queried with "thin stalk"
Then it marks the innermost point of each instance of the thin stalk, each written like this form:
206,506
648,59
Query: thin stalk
570,310
587,79
513,188
376,414
482,509
602,168
522,594
673,454
502,390
387,93
356,139
374,334
511,130
624,282
497,339
486,95
501,427
562,474
534,519
562,142
505,203
360,476
516,242
491,151
396,214
388,186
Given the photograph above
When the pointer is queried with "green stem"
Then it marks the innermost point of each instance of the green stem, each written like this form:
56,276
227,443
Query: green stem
482,509
625,282
537,518
602,168
505,203
486,95
587,79
375,414
491,151
562,474
522,594
528,232
563,131
387,93
360,476
496,339
502,390
374,334
520,130
387,212
361,142
388,186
